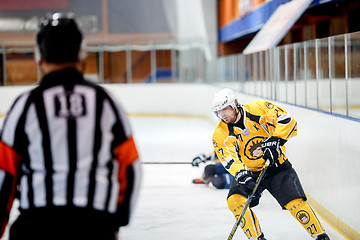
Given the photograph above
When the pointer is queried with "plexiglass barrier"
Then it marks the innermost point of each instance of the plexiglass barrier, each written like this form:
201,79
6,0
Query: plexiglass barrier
322,74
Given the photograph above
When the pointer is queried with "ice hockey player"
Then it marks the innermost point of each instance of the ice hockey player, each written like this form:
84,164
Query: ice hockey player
67,147
246,136
214,171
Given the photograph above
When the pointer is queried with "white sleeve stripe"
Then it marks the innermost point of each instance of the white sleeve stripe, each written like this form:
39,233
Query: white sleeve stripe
2,178
137,182
125,122
291,131
11,121
284,119
122,115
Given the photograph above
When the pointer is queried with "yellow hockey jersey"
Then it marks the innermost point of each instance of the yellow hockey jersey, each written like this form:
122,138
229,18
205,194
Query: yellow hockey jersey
238,146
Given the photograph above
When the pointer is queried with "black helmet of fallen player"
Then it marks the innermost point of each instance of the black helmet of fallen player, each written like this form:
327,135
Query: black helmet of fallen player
58,39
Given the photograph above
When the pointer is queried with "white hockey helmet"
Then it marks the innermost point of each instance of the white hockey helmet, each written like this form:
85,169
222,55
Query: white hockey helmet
222,99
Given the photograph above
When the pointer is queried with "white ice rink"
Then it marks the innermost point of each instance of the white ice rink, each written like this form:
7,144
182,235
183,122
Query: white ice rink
171,207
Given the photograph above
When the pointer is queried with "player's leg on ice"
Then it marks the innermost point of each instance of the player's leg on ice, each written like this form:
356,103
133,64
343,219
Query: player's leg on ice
249,223
207,176
304,214
218,176
286,188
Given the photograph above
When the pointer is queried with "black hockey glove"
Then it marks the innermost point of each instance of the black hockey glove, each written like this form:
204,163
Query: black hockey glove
201,159
271,150
244,178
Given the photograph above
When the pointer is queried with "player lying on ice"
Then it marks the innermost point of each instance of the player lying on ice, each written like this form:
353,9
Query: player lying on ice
246,136
214,171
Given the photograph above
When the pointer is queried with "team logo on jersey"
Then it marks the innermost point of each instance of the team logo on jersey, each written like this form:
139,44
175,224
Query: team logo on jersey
303,217
269,105
253,148
246,132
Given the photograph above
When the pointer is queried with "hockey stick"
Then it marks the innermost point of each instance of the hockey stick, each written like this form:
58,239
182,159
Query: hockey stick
166,162
248,201
159,162
209,153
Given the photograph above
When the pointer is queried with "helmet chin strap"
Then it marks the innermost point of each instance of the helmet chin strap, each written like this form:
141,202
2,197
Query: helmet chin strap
237,114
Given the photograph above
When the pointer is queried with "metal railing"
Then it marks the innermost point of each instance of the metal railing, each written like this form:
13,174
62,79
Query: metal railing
151,61
322,74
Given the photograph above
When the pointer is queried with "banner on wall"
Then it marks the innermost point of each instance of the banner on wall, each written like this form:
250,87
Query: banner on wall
277,26
28,4
246,6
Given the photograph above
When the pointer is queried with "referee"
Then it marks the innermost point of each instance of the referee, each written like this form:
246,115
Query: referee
66,149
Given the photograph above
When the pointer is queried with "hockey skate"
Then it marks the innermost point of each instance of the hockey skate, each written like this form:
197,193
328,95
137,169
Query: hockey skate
262,237
198,181
323,236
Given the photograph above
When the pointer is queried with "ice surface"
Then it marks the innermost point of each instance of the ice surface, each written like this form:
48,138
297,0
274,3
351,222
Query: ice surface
171,207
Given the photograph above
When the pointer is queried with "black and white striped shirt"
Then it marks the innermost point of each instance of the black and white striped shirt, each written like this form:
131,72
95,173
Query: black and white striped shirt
73,140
